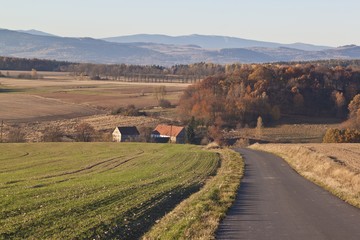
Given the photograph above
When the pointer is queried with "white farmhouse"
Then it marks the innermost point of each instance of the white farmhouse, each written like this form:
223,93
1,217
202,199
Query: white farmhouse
126,134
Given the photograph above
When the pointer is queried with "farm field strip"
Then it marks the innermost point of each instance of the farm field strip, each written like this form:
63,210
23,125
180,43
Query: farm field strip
94,190
23,106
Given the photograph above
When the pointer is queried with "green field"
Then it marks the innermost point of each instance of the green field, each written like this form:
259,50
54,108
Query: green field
94,190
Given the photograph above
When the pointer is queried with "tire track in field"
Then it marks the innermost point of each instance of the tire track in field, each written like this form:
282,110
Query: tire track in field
123,162
30,166
24,155
110,161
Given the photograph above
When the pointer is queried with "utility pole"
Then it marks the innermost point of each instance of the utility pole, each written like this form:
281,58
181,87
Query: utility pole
1,131
170,132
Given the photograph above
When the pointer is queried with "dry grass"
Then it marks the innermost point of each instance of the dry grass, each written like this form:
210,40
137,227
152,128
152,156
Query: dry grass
288,132
198,216
332,166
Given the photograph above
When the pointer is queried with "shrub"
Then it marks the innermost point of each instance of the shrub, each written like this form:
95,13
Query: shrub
96,77
242,142
275,113
342,136
204,141
352,136
130,110
332,136
164,103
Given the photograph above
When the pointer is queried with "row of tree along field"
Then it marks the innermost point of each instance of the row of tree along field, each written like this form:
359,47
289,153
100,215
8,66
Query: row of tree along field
187,73
27,64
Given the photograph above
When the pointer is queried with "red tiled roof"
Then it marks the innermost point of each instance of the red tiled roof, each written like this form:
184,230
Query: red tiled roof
168,130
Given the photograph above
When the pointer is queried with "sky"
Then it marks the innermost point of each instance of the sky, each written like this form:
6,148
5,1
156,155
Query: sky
321,22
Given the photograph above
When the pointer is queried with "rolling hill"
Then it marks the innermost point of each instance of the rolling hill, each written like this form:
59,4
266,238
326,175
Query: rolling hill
17,44
162,50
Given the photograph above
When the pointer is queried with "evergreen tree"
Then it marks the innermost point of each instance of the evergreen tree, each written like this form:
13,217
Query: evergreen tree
190,131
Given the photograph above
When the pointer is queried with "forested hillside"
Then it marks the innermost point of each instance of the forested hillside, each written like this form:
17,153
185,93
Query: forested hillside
246,92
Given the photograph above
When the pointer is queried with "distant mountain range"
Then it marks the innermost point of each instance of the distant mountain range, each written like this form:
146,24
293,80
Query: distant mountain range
210,42
162,49
36,32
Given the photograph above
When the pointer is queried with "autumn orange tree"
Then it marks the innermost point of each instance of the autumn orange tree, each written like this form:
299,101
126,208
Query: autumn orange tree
246,92
354,112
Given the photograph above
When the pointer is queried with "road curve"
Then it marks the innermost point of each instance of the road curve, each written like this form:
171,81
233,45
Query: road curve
274,202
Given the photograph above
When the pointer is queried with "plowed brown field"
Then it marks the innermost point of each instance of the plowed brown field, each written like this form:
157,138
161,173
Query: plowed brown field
59,96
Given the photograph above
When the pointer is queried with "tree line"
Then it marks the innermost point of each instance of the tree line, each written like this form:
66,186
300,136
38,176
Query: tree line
187,72
25,64
148,73
181,72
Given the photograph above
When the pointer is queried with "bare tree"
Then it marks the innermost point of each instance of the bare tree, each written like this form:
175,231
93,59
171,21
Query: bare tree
52,134
159,92
85,132
16,135
145,134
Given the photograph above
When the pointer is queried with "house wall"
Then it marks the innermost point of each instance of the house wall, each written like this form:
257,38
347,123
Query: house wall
130,138
180,137
116,136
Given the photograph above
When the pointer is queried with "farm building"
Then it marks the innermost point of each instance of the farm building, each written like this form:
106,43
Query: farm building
126,134
168,133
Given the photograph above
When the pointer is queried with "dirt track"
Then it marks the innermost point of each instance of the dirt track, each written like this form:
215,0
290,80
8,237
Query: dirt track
274,202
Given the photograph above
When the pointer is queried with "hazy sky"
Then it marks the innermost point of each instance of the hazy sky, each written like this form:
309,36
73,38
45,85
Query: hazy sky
327,22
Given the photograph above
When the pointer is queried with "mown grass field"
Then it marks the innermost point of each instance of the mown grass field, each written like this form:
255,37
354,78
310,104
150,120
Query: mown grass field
94,190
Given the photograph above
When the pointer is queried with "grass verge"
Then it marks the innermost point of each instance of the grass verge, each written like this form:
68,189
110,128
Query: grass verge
198,216
334,176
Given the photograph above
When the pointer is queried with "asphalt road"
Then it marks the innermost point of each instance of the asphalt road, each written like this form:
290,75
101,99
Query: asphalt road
274,202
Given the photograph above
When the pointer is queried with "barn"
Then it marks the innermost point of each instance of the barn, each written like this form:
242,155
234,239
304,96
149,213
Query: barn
168,133
126,134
